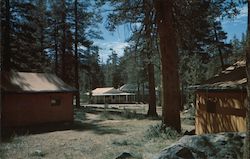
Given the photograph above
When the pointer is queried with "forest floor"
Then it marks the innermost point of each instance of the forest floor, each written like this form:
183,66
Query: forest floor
95,134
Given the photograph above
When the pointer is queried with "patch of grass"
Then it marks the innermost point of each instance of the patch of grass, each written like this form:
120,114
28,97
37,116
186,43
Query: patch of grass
105,115
79,114
68,155
188,121
131,114
125,143
157,131
38,153
126,114
138,156
2,152
12,143
120,143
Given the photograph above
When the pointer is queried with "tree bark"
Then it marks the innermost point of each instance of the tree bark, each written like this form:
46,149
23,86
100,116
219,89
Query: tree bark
247,140
150,67
76,58
152,96
169,65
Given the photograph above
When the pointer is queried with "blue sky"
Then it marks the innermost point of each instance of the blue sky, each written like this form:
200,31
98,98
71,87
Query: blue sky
236,26
113,40
117,40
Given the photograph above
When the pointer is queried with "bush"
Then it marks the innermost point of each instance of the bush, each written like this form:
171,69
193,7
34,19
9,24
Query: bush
157,131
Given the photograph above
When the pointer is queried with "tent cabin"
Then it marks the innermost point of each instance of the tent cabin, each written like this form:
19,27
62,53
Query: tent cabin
111,95
221,101
34,98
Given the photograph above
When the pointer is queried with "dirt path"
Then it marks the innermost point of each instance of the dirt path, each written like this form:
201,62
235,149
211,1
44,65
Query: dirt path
91,138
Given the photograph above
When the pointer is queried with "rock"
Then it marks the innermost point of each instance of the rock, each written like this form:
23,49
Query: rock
125,155
210,146
184,153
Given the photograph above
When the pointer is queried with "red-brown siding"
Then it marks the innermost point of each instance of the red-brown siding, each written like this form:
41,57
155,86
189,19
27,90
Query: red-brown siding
29,109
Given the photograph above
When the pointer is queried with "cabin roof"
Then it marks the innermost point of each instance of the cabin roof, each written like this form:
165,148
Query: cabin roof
232,78
21,82
133,87
108,91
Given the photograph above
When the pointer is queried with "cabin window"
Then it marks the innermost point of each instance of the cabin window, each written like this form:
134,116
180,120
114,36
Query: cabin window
55,101
211,106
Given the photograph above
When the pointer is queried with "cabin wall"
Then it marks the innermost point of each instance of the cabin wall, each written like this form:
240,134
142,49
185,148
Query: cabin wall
29,109
113,99
220,112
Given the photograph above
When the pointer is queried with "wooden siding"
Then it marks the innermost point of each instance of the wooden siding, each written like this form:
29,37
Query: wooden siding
29,109
113,99
220,112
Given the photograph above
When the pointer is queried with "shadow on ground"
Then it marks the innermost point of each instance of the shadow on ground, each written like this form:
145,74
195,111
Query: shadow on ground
122,113
81,124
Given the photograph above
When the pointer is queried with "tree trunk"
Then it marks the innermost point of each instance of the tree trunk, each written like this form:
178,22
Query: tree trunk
6,62
152,96
149,51
76,58
169,65
138,92
247,140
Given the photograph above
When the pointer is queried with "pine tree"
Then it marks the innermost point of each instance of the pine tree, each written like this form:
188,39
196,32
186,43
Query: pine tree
169,65
76,56
139,12
5,39
21,49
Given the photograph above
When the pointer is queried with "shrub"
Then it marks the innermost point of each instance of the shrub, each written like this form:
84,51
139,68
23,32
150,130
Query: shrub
157,131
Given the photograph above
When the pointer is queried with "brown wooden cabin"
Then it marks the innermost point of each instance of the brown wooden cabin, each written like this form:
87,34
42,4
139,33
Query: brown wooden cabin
221,101
111,95
34,98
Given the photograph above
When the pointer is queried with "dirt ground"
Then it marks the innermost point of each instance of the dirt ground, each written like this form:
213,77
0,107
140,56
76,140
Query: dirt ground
93,135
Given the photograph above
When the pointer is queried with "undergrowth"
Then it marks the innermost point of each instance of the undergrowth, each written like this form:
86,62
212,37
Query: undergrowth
126,114
126,143
157,131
